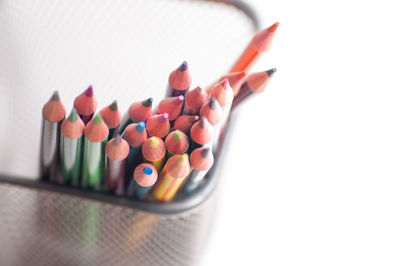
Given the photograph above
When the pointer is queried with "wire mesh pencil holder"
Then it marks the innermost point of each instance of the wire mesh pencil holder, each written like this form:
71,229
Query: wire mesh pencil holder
48,224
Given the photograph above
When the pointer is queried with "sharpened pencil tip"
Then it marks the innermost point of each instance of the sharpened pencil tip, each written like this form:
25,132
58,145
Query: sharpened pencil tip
147,170
205,152
89,91
213,103
97,119
114,106
148,102
73,116
183,66
179,100
55,97
273,27
164,117
140,127
177,135
271,71
117,140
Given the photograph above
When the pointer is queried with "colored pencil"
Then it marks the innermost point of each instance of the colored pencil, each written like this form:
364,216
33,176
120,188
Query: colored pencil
172,106
201,160
71,147
135,135
194,100
235,79
185,122
117,151
255,83
53,113
179,81
144,177
172,177
138,112
86,104
260,44
158,125
214,113
201,134
176,143
94,156
112,117
153,151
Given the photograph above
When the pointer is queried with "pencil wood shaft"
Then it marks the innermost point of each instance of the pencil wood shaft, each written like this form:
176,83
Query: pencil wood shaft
49,149
94,164
70,159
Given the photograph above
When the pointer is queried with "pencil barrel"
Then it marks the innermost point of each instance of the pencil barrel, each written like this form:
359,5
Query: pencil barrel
70,159
167,186
49,149
158,164
115,178
137,191
193,181
94,164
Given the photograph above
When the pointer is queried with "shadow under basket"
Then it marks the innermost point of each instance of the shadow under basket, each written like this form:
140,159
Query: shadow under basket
49,224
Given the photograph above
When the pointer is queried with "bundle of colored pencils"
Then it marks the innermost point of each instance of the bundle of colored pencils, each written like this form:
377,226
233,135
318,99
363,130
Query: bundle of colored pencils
148,155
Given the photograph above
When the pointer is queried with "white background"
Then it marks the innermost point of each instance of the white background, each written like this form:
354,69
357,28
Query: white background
312,172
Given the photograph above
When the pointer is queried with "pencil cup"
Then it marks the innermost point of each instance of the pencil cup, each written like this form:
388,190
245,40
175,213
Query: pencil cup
124,49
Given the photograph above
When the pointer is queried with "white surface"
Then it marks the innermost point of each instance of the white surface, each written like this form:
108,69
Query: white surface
323,184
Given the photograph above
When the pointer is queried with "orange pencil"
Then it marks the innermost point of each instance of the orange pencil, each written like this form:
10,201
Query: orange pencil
179,81
255,83
138,112
172,106
117,150
185,122
85,104
260,44
172,177
201,134
194,100
153,151
176,142
112,117
53,113
158,125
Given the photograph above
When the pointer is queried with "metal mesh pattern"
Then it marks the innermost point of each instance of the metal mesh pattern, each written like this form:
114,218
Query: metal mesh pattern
46,228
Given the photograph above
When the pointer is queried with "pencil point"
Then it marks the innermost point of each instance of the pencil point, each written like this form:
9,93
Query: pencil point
177,135
140,127
213,103
205,152
225,84
55,97
114,106
117,140
148,102
196,118
73,116
271,71
273,27
163,117
147,170
183,66
153,141
179,100
97,119
89,91
182,159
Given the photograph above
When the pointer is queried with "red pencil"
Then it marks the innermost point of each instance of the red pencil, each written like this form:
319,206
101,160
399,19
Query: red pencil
158,125
172,106
85,104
